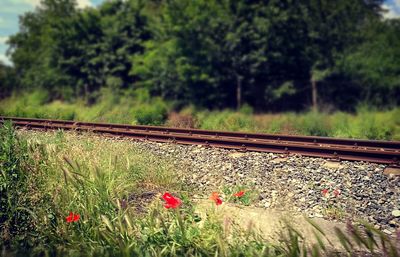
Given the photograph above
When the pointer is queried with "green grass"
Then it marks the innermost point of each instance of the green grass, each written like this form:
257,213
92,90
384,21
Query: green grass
137,107
380,125
45,176
128,107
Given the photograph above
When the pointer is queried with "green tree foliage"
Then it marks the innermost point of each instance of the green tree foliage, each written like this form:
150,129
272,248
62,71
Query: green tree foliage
95,46
213,53
8,80
210,53
333,26
71,52
220,53
374,65
32,49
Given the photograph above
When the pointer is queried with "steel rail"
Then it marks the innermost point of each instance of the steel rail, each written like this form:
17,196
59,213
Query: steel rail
395,145
386,152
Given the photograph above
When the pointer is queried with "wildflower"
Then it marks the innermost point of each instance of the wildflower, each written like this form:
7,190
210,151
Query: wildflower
171,202
239,194
72,217
324,192
336,192
215,198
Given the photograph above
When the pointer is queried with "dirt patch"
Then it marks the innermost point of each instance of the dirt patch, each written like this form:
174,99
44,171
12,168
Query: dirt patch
140,201
179,120
270,223
394,171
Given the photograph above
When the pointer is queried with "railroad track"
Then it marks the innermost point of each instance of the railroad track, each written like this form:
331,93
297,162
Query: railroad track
385,152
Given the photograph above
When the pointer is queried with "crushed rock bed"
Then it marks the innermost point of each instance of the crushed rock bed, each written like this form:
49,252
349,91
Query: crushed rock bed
293,183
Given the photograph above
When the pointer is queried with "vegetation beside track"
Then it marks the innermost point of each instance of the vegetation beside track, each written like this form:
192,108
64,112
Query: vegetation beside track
136,108
46,176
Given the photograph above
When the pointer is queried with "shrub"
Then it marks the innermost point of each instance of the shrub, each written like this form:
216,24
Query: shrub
246,109
226,120
154,113
341,125
36,98
314,124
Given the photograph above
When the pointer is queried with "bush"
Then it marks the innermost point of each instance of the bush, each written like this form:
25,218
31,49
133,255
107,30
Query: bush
372,125
36,98
154,113
34,105
314,124
246,109
226,120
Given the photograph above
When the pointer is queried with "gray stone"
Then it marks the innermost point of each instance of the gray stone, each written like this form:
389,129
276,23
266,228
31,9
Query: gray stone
386,231
267,204
318,215
396,213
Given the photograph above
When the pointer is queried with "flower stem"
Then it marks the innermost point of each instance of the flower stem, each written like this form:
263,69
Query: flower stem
180,222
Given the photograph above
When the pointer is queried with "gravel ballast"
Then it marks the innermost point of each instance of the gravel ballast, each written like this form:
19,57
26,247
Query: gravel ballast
316,187
313,186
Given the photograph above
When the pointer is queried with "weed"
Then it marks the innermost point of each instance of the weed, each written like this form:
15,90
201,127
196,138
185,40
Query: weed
240,194
13,182
335,213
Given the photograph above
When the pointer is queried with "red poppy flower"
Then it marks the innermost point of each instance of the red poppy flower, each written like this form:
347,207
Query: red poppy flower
324,192
239,194
72,217
336,192
170,201
215,198
76,217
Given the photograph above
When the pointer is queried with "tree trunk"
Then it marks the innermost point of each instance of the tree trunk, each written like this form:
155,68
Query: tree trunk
86,89
314,95
238,92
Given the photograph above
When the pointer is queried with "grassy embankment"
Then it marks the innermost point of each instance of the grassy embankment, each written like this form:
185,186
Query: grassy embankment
139,108
44,177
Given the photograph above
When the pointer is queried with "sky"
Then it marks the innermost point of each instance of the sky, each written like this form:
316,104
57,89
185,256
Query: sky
10,10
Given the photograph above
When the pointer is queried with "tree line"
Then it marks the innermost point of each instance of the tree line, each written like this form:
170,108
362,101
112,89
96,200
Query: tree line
273,55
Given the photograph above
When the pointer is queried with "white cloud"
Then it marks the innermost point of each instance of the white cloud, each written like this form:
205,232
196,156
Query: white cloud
4,59
81,3
3,39
397,3
84,3
391,11
32,2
